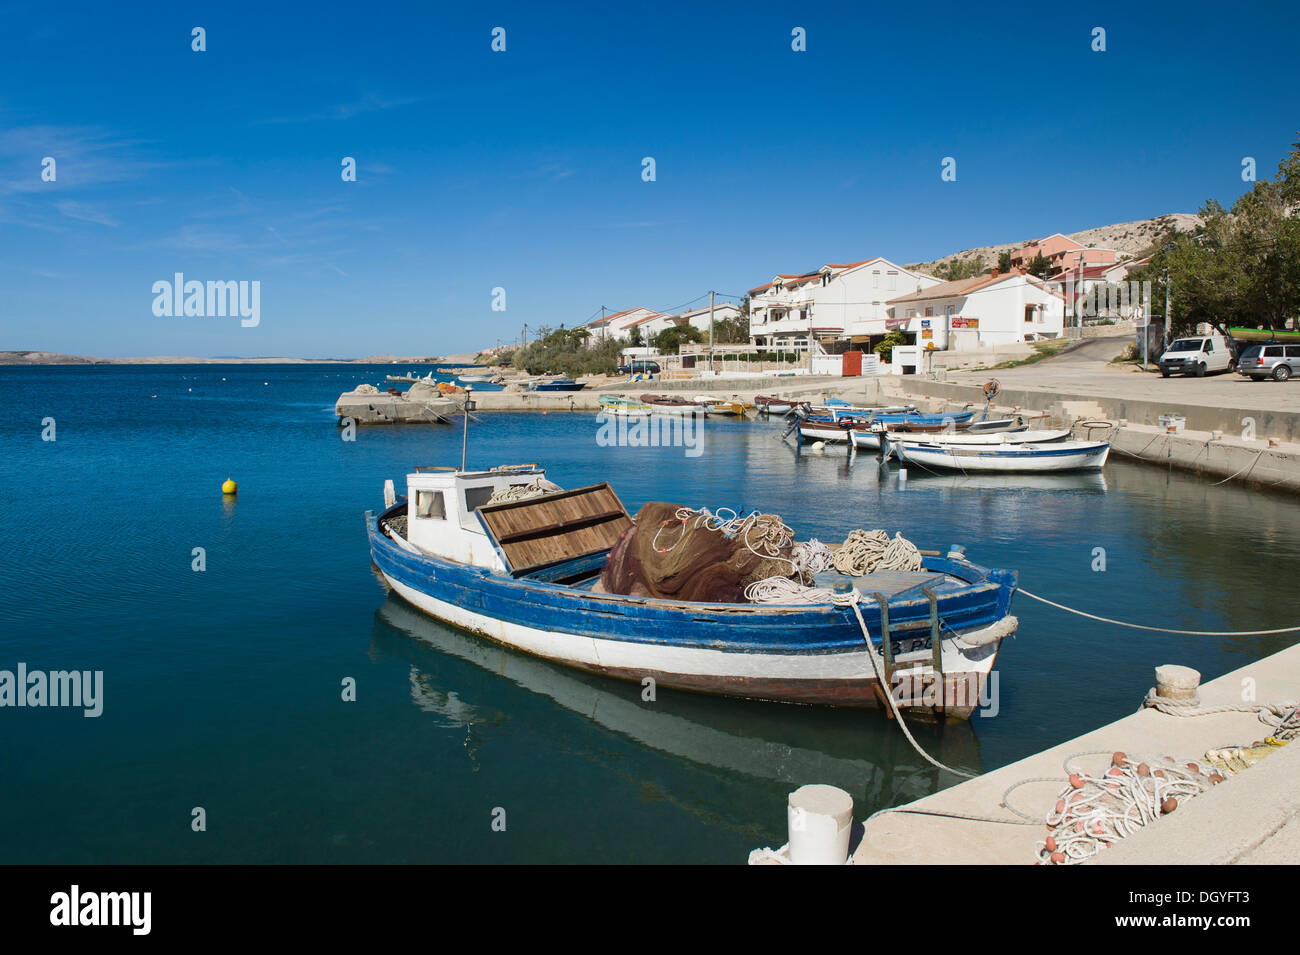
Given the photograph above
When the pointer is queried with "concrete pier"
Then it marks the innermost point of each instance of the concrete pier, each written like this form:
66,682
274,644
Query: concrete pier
1252,817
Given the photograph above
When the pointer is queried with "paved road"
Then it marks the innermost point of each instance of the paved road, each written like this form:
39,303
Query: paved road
1087,370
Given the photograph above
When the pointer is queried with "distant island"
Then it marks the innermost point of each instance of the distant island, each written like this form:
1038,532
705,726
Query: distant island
56,358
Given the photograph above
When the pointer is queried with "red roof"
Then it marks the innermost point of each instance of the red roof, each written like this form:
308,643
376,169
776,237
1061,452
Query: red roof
801,277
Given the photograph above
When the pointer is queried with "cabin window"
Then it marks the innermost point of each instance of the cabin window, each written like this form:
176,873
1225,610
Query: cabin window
476,497
430,504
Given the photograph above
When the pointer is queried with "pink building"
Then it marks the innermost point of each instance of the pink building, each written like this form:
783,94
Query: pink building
1063,253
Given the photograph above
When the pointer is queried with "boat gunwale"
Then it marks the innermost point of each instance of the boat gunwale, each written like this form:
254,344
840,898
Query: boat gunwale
977,580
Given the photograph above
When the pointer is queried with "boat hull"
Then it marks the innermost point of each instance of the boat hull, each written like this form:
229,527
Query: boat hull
1008,459
797,654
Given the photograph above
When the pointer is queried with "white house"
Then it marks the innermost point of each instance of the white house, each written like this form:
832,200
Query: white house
832,303
619,324
1101,291
988,309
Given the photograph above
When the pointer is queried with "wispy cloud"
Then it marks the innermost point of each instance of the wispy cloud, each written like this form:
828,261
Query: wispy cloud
85,212
369,103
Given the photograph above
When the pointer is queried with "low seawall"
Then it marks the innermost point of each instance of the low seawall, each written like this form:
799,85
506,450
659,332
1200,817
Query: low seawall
1225,825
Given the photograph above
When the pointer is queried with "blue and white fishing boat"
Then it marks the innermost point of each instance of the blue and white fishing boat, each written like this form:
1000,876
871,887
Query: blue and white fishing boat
504,554
1005,457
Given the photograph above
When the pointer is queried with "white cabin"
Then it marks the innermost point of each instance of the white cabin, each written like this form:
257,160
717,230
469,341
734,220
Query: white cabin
441,506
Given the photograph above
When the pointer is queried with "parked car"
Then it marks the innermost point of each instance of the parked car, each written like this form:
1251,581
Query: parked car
639,366
1269,360
1197,356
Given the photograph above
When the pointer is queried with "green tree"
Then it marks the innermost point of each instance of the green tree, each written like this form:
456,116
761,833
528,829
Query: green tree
668,340
885,347
1039,265
1004,262
1242,267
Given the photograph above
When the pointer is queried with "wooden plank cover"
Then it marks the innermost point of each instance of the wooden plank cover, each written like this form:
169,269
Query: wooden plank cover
555,527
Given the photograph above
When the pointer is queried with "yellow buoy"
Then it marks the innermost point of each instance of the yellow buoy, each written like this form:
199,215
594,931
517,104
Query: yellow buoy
229,487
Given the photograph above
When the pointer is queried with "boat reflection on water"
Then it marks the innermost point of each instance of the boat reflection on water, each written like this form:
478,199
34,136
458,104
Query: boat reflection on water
859,751
1087,481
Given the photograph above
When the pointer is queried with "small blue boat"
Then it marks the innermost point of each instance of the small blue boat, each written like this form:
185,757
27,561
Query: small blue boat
506,555
557,384
894,416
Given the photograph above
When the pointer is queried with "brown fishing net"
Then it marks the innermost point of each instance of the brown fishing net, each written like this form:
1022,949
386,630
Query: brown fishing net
662,556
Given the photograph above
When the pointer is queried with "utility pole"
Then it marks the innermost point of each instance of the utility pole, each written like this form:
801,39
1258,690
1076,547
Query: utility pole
603,330
524,338
711,293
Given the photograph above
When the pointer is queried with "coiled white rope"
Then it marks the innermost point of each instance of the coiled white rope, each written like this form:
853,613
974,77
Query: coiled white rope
812,557
865,552
1139,626
523,492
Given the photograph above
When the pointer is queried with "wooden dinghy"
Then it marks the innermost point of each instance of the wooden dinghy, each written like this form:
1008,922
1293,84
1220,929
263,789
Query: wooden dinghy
506,555
722,406
766,404
664,404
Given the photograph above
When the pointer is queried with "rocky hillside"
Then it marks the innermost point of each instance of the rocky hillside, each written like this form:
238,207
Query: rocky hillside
1127,238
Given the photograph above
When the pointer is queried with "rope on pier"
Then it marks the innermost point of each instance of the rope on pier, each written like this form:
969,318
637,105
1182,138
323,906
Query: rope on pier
1282,717
1093,812
1140,626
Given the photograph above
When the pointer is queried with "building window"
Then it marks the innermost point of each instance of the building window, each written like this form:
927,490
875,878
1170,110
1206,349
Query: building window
875,280
1029,313
826,279
893,281
929,311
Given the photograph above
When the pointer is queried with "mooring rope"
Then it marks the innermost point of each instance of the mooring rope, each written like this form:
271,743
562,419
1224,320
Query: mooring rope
1140,626
1281,716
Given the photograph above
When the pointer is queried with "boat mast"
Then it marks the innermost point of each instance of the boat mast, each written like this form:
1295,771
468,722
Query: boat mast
464,441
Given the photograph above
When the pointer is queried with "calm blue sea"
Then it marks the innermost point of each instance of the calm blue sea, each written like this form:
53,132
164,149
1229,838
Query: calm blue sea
222,688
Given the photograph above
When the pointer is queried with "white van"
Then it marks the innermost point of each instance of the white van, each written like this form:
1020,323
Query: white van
1200,355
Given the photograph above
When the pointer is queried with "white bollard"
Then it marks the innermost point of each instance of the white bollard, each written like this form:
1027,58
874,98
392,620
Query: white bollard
820,819
1175,682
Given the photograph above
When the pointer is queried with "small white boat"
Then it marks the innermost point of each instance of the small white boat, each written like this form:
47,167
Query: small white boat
1009,458
982,439
869,438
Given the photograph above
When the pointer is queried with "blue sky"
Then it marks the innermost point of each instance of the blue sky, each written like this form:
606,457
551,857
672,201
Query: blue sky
522,169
